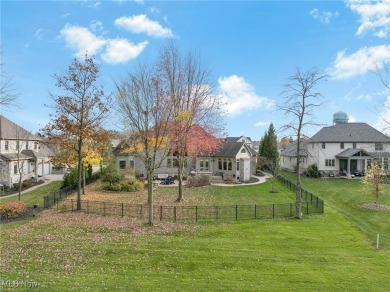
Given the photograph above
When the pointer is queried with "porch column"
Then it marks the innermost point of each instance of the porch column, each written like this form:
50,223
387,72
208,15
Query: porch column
43,168
348,166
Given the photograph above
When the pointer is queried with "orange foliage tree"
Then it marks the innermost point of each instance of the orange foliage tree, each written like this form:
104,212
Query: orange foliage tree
78,110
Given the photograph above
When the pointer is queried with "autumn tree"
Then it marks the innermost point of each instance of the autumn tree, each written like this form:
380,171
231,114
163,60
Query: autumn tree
301,98
79,109
196,126
146,113
374,181
8,94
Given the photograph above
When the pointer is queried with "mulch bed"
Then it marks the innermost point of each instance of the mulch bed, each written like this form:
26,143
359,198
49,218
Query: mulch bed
12,192
30,212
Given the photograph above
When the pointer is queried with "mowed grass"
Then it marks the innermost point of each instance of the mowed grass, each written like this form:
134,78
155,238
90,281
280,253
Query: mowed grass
318,253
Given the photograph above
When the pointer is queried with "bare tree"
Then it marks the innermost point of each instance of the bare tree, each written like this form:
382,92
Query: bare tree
79,111
197,109
146,112
301,98
8,94
384,76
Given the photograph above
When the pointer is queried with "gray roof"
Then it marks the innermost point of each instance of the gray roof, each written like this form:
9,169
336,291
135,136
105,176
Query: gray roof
235,139
350,132
11,131
291,150
347,153
231,149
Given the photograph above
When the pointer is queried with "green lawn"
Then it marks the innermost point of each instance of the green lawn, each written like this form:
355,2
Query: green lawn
318,253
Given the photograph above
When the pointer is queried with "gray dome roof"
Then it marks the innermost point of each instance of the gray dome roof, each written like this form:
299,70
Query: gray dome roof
340,118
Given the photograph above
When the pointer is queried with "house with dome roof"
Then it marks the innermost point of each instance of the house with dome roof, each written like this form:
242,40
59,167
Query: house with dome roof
345,148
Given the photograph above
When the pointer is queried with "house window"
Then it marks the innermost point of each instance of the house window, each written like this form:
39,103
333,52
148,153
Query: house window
6,146
238,164
132,164
243,150
35,145
224,164
354,145
26,145
219,163
15,168
204,165
230,164
169,162
378,147
342,145
329,162
122,164
323,145
17,145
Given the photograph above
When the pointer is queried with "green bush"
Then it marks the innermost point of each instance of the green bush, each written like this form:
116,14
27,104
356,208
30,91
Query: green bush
26,183
128,187
63,208
112,175
312,171
70,178
115,187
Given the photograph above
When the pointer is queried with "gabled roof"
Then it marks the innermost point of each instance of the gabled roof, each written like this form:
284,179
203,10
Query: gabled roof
350,132
291,150
231,149
347,153
11,131
235,139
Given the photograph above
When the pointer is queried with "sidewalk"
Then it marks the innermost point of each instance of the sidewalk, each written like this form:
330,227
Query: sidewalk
48,179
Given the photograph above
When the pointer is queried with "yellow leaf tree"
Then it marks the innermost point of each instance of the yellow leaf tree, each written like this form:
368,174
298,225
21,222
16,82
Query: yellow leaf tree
374,180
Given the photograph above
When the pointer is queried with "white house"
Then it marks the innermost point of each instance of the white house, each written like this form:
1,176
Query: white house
346,148
235,160
21,153
288,156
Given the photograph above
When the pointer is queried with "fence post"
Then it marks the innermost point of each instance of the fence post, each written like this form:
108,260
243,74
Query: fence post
56,202
161,214
122,210
72,204
87,207
273,210
104,208
142,211
307,208
291,205
236,212
196,213
255,211
174,214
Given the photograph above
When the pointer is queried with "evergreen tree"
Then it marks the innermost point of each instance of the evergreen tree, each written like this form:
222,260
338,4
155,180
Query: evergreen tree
269,147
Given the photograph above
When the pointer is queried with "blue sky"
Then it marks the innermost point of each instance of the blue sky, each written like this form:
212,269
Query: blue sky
252,47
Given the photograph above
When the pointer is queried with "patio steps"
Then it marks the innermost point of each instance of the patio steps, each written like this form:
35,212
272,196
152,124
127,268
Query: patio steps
216,179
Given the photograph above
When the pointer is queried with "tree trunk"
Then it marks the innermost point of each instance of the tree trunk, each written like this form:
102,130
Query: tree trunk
150,197
298,191
83,190
79,166
180,170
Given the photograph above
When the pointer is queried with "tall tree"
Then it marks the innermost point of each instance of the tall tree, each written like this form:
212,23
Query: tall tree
196,127
301,98
146,113
79,110
269,146
8,94
384,76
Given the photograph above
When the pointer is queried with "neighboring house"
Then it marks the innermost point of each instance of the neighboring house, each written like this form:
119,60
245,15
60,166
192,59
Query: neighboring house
234,160
288,156
21,152
345,148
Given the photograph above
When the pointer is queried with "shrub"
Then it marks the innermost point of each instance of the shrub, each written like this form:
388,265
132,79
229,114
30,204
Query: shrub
26,183
112,175
139,185
63,208
12,209
312,171
70,178
128,187
115,187
198,180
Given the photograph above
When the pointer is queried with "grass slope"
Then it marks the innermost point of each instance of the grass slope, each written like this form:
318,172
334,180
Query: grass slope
79,252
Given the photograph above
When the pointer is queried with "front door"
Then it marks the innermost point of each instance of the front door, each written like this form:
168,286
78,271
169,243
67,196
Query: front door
353,165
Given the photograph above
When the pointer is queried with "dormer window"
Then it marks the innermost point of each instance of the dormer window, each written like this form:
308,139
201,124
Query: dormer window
6,145
243,150
378,147
26,145
35,145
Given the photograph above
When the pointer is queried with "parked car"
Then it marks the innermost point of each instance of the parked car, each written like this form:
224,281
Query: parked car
169,180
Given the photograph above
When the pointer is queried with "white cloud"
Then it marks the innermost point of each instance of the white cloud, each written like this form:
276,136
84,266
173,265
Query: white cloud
40,33
95,5
323,16
374,16
241,96
82,40
348,66
96,26
262,124
352,119
142,24
121,51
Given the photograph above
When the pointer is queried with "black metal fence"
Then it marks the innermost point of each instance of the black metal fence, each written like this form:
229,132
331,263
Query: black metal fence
310,205
53,198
